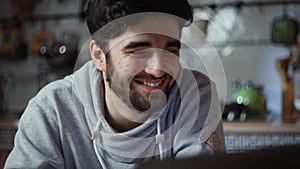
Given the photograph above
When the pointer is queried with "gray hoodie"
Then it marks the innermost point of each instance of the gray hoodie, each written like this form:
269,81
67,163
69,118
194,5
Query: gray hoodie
63,126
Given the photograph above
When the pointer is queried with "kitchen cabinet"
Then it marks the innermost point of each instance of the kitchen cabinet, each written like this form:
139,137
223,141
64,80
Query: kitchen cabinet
8,128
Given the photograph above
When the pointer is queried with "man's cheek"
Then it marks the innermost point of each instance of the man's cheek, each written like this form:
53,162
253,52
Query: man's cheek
131,69
173,69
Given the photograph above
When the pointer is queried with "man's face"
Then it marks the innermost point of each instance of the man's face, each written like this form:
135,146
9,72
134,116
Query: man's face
141,63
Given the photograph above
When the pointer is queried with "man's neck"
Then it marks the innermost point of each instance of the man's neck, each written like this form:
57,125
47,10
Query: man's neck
119,121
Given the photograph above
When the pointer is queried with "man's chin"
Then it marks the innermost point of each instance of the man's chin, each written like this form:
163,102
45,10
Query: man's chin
143,108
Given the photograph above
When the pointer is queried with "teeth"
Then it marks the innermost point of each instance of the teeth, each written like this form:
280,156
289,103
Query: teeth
152,84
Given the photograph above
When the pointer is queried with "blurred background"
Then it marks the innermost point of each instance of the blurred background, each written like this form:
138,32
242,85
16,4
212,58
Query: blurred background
40,41
258,43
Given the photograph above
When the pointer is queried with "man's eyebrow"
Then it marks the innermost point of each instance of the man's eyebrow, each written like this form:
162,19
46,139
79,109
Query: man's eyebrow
133,45
174,44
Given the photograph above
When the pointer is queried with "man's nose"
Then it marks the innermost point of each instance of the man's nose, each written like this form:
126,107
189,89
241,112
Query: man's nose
156,64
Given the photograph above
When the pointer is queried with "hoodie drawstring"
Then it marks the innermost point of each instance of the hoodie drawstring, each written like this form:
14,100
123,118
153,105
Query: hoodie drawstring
95,136
160,138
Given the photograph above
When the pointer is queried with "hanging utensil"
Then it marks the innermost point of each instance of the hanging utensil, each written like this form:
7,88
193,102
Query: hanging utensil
284,28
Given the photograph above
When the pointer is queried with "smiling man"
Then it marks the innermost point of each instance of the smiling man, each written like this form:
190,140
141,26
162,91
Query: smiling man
137,65
130,103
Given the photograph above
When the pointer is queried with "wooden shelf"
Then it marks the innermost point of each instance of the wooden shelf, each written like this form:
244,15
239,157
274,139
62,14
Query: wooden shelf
11,123
261,127
249,136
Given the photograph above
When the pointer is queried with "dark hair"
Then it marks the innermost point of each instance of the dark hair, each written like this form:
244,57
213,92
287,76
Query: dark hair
102,12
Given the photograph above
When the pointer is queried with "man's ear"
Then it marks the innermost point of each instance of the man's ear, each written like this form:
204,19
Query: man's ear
98,56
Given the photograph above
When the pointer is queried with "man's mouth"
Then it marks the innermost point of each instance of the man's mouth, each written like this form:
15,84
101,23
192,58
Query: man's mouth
150,84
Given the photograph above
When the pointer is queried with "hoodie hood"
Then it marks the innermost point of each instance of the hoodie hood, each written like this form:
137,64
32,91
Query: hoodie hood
179,117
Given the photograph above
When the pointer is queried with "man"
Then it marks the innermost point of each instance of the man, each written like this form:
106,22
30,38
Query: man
133,102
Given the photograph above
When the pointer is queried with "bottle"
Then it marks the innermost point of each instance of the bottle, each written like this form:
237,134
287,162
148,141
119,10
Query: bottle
296,74
296,78
1,98
18,46
5,37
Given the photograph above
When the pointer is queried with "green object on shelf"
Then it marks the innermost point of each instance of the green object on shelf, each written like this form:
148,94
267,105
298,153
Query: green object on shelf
284,30
253,99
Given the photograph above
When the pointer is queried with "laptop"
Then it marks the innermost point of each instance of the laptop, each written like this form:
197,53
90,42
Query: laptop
271,158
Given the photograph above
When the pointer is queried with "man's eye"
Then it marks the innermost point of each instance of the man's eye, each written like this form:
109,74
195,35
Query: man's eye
174,51
140,53
171,52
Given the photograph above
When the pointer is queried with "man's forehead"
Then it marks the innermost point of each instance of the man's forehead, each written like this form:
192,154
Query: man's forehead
162,24
147,39
165,28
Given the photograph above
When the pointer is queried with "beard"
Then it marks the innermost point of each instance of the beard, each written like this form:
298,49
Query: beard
134,98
